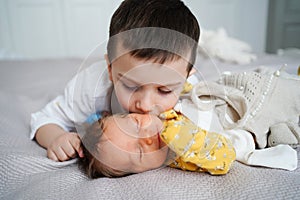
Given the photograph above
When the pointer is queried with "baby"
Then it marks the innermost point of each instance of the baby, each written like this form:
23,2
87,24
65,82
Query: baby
119,145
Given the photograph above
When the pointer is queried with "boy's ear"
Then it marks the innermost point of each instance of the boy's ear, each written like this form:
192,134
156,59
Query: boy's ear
108,66
192,71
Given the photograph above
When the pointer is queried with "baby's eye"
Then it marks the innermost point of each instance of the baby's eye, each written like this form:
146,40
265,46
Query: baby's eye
141,152
138,126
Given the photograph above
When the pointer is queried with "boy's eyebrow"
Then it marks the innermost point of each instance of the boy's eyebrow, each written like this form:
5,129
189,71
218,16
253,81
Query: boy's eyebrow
128,79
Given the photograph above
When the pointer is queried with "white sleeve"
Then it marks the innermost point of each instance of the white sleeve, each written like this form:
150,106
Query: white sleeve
59,111
77,102
280,156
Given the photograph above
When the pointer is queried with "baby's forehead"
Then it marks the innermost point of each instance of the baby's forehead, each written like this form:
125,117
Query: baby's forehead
113,123
116,123
112,119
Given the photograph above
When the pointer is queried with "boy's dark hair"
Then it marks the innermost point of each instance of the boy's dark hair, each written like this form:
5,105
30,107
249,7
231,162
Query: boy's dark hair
89,164
177,30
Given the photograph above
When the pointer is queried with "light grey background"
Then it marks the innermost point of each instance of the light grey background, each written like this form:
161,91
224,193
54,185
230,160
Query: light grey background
68,28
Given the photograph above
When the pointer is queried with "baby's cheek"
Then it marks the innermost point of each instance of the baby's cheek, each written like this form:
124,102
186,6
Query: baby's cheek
157,160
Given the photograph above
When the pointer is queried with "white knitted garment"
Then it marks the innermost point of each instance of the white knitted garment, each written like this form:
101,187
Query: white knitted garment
257,102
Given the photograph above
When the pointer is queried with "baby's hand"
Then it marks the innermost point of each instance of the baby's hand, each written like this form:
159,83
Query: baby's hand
65,147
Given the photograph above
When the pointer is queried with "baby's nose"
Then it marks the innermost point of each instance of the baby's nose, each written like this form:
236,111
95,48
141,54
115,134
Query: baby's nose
148,141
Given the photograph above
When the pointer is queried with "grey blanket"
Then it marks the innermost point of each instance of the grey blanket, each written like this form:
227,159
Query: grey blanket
26,173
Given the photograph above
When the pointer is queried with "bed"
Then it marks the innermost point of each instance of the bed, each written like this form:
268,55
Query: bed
26,173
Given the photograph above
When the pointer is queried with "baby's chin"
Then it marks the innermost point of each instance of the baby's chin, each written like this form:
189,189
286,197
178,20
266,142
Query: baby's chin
170,158
161,162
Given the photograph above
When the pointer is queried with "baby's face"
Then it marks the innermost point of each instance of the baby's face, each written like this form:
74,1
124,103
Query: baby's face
131,143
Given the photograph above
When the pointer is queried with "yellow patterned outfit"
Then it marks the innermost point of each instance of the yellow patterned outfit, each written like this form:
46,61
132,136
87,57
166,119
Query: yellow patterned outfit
197,149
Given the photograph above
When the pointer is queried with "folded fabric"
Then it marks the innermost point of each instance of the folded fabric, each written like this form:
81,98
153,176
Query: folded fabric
242,140
255,101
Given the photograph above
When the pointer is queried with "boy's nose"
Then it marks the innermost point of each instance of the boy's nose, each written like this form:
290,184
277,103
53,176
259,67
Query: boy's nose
145,103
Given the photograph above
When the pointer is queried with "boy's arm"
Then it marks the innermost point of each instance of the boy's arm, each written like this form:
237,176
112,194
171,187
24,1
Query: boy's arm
50,126
77,102
60,145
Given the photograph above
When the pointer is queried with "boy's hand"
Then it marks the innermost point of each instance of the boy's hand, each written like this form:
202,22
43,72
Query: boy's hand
65,147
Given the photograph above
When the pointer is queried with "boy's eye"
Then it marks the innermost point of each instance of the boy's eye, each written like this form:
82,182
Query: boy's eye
130,88
164,91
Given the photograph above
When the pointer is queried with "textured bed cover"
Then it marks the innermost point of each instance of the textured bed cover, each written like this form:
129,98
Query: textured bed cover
26,173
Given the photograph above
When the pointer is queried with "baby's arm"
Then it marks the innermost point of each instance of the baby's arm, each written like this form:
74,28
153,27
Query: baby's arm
198,150
60,145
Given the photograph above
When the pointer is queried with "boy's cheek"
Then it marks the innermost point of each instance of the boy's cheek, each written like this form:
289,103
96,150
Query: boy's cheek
124,101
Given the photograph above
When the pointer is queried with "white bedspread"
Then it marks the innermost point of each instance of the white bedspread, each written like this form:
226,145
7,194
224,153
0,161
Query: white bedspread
26,173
